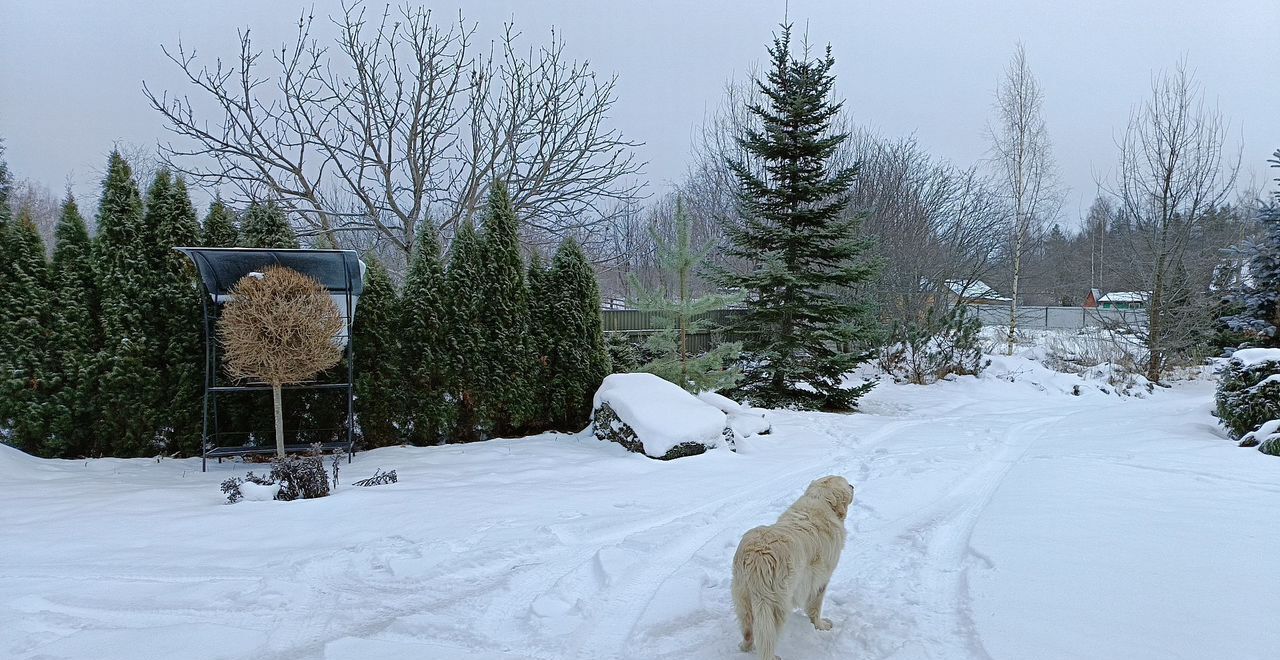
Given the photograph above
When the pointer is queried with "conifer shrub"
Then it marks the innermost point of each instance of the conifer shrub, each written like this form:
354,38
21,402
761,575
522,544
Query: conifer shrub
943,343
506,404
464,352
423,344
574,348
1248,395
379,399
624,353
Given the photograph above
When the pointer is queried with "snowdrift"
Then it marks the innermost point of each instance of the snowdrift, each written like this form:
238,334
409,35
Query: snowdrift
744,420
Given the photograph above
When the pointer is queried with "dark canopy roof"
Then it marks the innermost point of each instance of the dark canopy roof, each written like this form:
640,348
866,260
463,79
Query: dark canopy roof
220,268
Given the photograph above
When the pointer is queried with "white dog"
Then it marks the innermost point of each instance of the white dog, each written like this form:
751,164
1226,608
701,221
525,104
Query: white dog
787,565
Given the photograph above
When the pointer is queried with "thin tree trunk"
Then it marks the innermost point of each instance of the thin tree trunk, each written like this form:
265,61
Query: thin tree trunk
275,397
684,328
1017,259
1155,327
1013,301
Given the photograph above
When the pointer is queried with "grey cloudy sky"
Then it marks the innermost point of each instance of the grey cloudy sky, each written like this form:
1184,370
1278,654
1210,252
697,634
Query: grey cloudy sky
71,72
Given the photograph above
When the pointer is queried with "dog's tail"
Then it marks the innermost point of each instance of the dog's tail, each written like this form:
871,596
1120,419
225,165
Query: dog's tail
766,624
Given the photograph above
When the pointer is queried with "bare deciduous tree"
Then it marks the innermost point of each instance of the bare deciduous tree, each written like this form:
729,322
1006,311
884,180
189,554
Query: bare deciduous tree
401,122
1023,159
932,223
1174,174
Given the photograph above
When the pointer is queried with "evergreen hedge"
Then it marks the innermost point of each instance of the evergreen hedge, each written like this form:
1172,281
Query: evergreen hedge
103,352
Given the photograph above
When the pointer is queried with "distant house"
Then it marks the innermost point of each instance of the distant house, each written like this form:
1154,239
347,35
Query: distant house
1124,300
1092,299
975,292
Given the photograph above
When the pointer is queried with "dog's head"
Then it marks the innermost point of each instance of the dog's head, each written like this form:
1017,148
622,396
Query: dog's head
836,491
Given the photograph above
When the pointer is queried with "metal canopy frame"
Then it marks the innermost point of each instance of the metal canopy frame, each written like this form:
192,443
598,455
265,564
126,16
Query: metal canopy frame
339,271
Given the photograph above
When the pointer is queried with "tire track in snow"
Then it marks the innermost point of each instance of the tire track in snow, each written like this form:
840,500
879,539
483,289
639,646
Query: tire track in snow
930,578
660,546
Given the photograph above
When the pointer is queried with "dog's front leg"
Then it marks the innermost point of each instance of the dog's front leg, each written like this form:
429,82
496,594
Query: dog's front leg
814,609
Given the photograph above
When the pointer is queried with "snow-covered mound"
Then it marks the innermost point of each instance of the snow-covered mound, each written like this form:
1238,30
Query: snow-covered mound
1249,357
1077,362
744,420
652,416
252,492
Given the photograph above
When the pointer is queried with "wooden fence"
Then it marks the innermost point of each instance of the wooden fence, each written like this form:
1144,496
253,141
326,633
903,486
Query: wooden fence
639,324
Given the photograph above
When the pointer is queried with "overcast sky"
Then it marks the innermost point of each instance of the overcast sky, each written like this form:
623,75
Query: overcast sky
71,72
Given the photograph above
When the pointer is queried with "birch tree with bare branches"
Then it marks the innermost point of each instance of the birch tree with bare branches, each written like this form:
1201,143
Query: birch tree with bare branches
1022,157
1174,174
401,120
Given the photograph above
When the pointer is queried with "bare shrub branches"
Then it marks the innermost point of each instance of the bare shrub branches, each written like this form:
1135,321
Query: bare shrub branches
279,328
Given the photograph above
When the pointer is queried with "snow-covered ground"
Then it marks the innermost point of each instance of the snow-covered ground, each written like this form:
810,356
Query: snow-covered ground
998,517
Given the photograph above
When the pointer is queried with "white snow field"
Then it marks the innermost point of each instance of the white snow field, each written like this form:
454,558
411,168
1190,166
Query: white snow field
994,519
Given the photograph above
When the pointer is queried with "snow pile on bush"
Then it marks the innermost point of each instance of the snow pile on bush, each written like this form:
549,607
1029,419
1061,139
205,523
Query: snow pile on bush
1248,398
744,420
657,418
1266,438
291,478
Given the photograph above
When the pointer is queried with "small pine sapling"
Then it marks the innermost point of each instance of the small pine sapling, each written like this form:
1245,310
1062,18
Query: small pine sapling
682,315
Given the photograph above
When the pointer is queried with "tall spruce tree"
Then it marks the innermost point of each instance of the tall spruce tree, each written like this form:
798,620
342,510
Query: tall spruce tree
376,333
466,352
219,229
1255,311
681,313
576,357
75,340
25,385
505,402
129,387
805,326
267,226
424,343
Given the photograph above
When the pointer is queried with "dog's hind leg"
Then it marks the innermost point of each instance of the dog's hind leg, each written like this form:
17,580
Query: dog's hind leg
814,609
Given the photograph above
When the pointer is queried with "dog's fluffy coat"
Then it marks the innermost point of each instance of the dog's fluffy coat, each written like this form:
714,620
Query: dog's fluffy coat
786,565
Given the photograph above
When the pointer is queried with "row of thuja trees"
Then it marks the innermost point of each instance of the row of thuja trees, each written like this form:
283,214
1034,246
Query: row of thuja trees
103,350
482,345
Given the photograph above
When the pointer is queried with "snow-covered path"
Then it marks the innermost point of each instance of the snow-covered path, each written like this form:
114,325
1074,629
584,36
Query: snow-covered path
994,519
